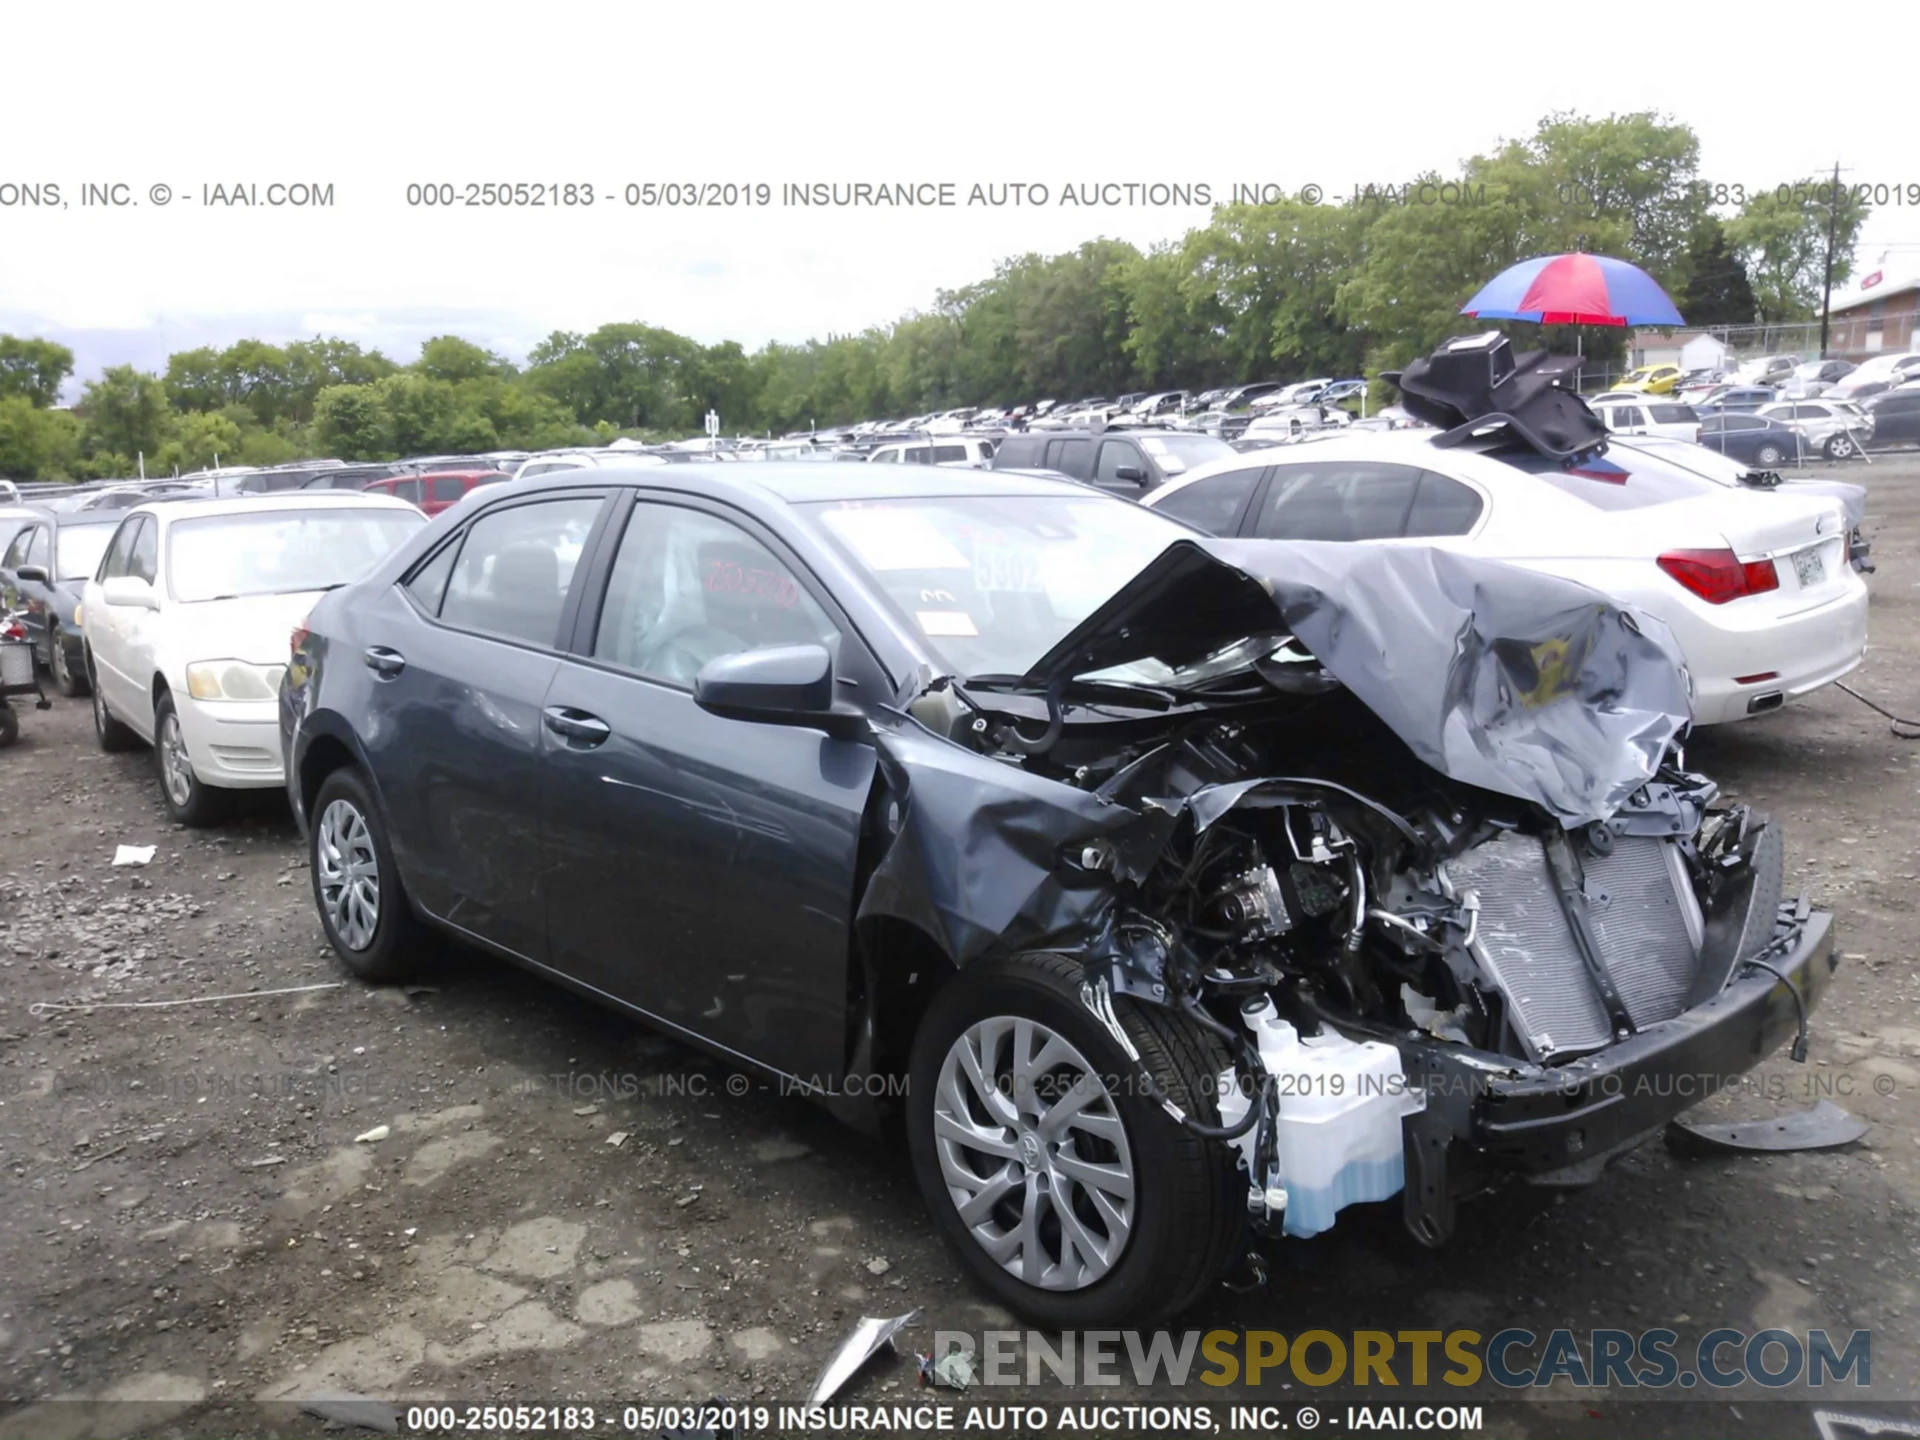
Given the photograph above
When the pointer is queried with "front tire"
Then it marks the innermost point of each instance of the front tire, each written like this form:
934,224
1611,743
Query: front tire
66,679
1047,1159
9,725
188,798
356,886
1842,447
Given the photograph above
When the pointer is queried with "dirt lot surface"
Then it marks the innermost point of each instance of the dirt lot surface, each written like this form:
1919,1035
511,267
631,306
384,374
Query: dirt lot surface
189,1220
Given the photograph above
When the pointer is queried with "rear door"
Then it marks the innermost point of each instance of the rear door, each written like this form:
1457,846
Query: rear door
1072,456
455,662
699,868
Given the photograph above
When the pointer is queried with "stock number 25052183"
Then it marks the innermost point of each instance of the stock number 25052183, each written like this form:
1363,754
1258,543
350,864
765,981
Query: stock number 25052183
492,194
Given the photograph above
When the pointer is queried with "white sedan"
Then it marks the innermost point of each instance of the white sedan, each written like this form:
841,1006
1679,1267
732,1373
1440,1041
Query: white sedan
187,623
1756,584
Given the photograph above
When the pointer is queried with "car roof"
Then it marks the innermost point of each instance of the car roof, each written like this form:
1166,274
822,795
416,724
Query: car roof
800,481
302,500
60,518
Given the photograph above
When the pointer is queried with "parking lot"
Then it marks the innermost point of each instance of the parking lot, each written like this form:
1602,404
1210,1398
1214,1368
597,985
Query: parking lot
191,1221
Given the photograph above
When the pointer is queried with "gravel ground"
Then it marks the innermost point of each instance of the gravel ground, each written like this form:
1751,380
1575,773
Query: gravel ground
190,1221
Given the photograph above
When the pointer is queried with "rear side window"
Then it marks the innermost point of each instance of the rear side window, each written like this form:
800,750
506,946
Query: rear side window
1214,504
1672,414
449,488
1017,452
515,569
1338,501
947,454
1442,506
429,583
1070,457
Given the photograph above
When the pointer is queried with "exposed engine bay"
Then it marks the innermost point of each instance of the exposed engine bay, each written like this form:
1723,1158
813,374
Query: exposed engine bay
1408,835
1319,923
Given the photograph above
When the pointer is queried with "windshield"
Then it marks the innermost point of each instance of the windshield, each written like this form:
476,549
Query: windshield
80,549
280,552
994,582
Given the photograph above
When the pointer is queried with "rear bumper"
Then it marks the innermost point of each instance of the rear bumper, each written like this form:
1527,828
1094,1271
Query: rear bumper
1805,651
1562,1123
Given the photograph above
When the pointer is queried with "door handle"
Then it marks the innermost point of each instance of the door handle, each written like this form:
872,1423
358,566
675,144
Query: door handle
387,663
576,725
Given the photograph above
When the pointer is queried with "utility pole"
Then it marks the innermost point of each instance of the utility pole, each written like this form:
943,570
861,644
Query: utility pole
1826,291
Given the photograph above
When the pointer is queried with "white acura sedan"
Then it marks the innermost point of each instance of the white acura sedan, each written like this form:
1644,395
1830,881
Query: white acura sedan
186,624
1756,583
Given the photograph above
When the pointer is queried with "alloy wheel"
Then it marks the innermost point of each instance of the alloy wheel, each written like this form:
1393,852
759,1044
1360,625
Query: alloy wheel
176,768
349,873
1034,1153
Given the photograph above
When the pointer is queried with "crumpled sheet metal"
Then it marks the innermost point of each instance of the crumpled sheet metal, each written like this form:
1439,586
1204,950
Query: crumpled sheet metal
1516,682
1497,676
1500,677
975,859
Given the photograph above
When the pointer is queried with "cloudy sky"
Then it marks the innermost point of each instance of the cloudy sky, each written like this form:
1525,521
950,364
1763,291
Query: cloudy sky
369,98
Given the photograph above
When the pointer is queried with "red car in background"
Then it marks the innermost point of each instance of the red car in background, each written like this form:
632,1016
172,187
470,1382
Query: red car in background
436,490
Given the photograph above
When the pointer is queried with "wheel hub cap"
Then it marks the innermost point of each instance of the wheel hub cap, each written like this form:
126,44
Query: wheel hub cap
349,874
1034,1153
176,768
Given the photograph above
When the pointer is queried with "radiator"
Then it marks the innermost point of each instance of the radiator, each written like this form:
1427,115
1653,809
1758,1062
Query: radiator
1645,918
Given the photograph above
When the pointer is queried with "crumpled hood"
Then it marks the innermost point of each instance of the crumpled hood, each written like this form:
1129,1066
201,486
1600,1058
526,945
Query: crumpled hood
1499,677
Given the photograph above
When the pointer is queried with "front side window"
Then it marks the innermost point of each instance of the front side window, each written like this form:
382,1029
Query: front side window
1213,504
992,583
16,555
120,555
516,567
144,562
1116,455
688,587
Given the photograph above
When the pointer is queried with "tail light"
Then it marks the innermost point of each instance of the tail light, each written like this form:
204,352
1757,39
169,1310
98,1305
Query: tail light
1718,576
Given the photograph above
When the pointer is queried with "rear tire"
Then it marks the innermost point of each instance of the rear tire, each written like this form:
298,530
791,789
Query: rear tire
356,886
1769,455
111,735
1166,1210
9,725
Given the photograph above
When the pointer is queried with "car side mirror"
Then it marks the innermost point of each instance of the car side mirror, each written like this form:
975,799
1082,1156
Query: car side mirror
35,573
1130,472
777,685
129,590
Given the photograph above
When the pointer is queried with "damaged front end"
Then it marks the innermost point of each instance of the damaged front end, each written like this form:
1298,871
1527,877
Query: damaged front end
1408,834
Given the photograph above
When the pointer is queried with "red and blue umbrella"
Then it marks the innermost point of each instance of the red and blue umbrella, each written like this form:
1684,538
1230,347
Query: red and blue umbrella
1574,289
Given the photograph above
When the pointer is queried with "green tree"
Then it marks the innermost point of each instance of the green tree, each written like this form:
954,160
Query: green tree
1717,292
33,370
125,413
198,439
36,443
352,423
1780,236
448,357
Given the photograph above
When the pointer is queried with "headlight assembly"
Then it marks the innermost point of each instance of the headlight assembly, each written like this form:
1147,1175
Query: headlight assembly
233,680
